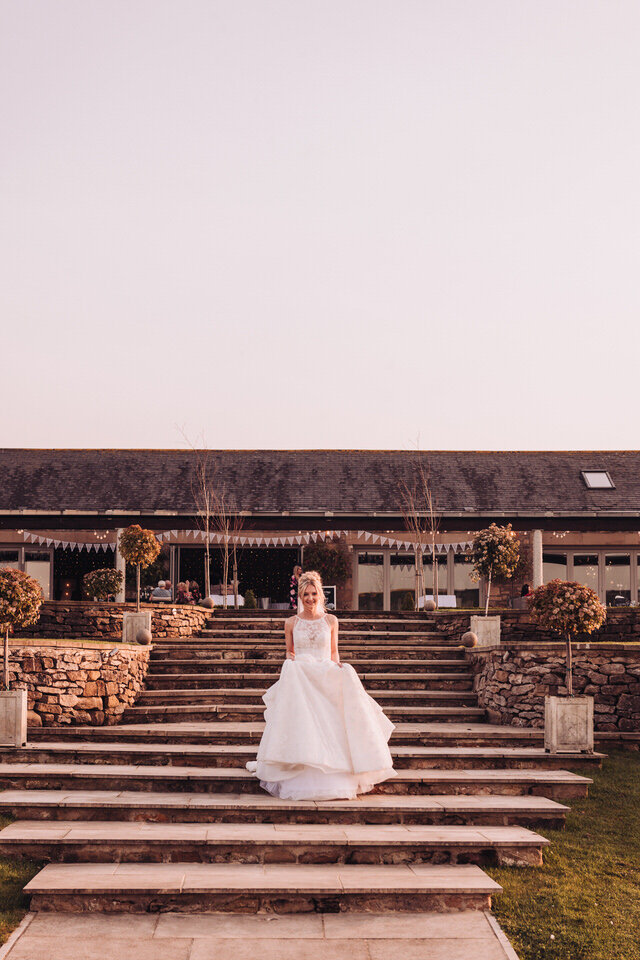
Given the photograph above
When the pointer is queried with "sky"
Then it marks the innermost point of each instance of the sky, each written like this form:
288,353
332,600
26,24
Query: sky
340,224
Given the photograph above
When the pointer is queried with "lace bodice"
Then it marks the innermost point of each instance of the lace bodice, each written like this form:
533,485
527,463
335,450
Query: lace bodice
312,638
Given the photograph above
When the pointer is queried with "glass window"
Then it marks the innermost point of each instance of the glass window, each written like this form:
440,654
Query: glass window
554,566
617,579
402,575
439,570
597,479
467,592
9,558
37,563
370,581
585,569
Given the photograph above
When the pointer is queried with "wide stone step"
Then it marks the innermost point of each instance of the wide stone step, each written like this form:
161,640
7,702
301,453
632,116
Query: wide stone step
373,624
276,652
230,711
151,807
253,696
371,681
237,755
348,631
252,888
555,784
417,668
106,842
424,733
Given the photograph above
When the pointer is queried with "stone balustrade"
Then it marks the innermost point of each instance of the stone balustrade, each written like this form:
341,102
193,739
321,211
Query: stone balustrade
89,620
77,682
512,681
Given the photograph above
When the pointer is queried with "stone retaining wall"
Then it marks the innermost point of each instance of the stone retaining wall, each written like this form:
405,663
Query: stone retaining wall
82,619
622,625
513,680
75,682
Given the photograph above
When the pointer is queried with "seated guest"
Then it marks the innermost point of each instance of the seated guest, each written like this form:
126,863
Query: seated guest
160,592
195,592
183,594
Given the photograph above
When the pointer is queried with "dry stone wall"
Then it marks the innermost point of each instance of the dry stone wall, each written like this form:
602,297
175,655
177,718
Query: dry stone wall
86,620
621,626
75,682
513,680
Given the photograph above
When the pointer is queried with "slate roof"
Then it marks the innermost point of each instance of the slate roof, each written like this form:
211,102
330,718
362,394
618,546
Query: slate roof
356,482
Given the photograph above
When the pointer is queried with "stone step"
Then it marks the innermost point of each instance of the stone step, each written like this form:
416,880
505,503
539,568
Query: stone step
555,784
248,712
252,888
372,624
237,755
253,696
371,681
424,733
276,652
150,807
168,667
350,631
107,842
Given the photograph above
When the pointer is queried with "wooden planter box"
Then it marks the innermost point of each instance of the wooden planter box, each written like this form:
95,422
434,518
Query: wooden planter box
568,724
13,718
487,630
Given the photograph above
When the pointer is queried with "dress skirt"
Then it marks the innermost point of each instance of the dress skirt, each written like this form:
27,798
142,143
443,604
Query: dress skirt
325,738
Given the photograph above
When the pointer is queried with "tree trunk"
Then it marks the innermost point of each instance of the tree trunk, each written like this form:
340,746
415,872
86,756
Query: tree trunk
235,577
486,606
417,583
5,669
569,675
138,587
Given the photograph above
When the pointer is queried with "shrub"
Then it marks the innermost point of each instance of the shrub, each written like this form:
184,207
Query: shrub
407,601
566,608
331,560
140,548
20,601
496,553
250,601
101,584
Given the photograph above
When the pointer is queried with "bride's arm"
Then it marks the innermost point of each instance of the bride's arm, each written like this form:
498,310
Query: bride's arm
288,638
335,656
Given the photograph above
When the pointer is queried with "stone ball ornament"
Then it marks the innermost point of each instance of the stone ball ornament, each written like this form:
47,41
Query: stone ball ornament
469,639
144,636
430,605
208,603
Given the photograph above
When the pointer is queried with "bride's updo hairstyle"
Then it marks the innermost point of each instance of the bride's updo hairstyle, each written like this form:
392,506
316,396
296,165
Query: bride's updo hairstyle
311,578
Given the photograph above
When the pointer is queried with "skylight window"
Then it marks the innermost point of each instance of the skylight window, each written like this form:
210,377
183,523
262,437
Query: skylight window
597,479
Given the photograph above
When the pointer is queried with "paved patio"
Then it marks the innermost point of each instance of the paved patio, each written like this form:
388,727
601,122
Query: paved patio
470,935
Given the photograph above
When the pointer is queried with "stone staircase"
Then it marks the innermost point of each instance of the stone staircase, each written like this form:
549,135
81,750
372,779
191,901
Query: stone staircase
159,813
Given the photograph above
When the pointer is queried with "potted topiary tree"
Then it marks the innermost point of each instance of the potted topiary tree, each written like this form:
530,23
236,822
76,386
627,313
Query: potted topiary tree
20,600
102,584
496,554
567,608
140,548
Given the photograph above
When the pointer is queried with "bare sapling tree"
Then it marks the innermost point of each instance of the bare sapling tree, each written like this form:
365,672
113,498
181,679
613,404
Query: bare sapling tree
216,513
422,520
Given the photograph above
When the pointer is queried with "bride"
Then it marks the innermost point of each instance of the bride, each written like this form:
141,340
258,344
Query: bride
325,738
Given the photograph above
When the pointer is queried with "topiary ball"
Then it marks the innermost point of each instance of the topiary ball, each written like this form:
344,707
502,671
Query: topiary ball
144,636
208,603
430,605
469,639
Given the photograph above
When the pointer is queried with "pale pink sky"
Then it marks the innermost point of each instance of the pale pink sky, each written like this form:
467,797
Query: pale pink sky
342,223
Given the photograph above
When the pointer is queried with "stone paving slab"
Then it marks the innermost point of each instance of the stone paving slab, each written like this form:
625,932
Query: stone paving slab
465,935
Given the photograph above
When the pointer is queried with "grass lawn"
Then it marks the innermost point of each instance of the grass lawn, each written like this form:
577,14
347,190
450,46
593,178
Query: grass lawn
584,903
14,874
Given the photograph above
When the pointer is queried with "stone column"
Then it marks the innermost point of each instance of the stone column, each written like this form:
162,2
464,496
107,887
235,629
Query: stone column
120,565
537,558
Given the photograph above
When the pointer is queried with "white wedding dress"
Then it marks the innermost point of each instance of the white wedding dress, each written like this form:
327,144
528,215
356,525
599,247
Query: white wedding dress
325,738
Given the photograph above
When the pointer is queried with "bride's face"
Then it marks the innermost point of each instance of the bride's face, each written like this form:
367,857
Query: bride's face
310,598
